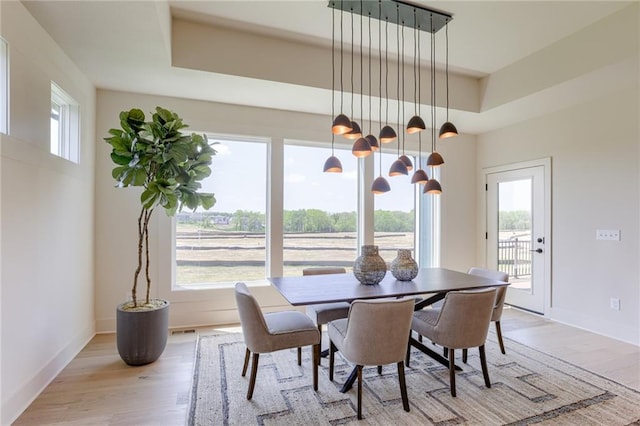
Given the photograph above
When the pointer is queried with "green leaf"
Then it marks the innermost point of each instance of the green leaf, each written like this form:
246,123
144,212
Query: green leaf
207,200
120,159
149,198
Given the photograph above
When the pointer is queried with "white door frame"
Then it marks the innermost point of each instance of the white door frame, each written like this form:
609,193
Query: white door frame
546,164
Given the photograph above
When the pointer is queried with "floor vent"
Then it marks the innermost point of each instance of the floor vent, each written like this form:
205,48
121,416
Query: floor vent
189,331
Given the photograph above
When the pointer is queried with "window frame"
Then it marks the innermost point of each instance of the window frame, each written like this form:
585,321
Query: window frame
4,86
67,145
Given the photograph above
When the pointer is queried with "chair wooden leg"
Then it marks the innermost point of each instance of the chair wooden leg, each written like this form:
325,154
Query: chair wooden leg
408,356
452,372
254,372
379,369
483,363
403,386
316,362
464,356
246,362
359,367
332,352
420,338
499,334
445,352
299,356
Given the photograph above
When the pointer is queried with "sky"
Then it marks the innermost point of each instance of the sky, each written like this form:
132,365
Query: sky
515,195
238,180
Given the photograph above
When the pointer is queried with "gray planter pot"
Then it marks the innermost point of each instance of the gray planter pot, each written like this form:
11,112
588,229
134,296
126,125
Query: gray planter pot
142,335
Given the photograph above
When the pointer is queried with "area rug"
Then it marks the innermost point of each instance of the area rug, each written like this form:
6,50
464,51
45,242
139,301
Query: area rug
528,387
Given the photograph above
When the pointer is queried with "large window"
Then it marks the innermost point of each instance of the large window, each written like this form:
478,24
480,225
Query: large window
394,212
227,243
320,210
65,125
4,86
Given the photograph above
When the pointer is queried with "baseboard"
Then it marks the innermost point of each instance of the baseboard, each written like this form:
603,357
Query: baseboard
14,405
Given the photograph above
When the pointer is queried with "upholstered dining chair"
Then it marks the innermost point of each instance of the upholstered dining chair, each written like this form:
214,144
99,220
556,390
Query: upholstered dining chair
264,333
501,293
325,312
376,332
462,322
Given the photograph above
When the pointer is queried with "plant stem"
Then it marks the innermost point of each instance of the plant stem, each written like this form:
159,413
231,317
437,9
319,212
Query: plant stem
141,231
146,246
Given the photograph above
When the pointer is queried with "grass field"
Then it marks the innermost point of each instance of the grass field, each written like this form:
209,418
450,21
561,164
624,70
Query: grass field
205,257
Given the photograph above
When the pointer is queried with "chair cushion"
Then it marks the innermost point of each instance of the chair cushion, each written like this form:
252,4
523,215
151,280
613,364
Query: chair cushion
325,312
288,329
424,320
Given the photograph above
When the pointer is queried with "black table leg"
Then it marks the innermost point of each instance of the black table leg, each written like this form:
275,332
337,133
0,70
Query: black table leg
348,384
442,360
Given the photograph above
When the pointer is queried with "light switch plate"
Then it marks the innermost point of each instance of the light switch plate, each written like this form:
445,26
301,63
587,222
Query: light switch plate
608,234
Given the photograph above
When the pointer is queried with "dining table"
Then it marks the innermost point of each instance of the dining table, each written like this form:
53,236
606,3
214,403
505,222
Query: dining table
429,286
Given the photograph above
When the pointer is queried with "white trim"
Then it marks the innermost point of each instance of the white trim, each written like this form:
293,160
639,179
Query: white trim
4,86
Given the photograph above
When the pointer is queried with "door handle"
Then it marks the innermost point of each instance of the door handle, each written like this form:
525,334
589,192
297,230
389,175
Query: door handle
537,250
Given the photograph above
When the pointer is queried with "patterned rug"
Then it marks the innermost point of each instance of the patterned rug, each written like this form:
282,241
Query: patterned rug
528,387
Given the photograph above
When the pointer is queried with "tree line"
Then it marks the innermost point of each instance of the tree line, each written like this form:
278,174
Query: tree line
299,221
514,220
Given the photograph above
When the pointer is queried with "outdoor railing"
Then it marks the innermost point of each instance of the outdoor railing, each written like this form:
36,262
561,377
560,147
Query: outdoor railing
514,257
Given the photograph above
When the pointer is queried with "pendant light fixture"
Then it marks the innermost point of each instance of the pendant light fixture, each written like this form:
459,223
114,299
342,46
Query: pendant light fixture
341,123
416,123
361,147
433,186
333,165
398,12
398,167
355,132
387,134
419,176
447,130
406,160
373,142
380,184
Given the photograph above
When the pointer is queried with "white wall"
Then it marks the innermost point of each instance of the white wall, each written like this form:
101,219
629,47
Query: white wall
117,209
594,147
47,219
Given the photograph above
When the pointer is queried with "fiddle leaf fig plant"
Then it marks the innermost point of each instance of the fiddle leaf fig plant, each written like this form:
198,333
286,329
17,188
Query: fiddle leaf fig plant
168,164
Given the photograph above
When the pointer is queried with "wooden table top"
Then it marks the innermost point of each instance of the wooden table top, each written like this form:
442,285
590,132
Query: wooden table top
314,289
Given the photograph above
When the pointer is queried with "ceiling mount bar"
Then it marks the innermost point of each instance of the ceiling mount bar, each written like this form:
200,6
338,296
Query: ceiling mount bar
424,19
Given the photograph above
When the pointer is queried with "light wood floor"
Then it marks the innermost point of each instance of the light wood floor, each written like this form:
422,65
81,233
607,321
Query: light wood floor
98,388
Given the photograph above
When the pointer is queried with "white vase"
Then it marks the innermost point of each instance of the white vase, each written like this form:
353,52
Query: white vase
369,268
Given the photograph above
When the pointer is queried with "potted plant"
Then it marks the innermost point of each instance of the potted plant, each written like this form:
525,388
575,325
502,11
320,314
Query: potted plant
169,166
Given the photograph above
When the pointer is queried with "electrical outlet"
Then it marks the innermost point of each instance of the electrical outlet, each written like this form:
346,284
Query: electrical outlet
614,303
608,234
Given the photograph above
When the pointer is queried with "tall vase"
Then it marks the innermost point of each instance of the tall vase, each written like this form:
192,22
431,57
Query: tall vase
403,267
369,268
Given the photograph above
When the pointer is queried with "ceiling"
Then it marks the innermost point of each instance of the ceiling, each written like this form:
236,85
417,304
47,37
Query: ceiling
126,45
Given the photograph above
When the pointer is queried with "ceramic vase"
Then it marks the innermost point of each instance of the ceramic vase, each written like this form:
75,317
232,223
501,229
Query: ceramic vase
369,268
403,267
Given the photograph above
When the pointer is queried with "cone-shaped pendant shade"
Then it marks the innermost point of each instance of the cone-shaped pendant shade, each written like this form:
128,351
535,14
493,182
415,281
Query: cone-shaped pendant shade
341,125
355,132
435,160
398,168
380,186
332,165
432,187
448,130
373,142
415,125
387,134
407,162
420,176
361,148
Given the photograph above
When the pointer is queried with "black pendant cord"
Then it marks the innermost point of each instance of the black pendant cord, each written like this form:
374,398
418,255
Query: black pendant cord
352,118
416,46
386,70
380,83
403,113
370,119
446,32
398,80
333,71
361,84
433,90
341,62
